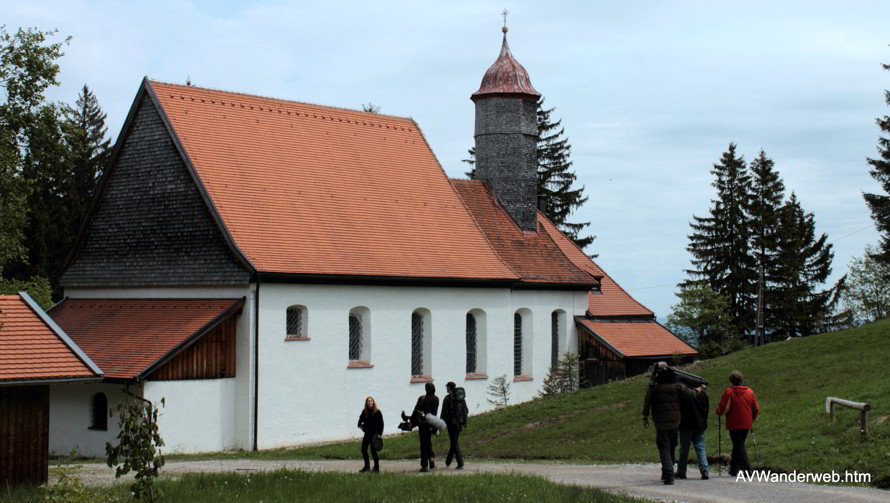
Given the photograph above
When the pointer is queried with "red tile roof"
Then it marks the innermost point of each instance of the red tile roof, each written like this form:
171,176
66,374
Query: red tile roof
308,189
634,339
612,300
32,350
536,257
127,336
506,76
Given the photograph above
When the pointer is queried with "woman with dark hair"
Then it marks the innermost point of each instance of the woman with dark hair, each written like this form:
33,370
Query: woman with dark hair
371,422
739,405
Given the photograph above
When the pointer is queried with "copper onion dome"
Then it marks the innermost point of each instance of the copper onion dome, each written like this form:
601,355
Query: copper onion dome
506,76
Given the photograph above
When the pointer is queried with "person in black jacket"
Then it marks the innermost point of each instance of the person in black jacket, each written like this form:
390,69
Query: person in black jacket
426,404
371,422
663,399
451,415
693,423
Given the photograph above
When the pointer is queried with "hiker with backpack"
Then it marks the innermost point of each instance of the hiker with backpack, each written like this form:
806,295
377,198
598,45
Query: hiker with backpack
663,401
454,413
427,403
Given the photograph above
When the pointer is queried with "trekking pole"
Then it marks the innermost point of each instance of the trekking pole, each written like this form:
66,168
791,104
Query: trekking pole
719,451
754,437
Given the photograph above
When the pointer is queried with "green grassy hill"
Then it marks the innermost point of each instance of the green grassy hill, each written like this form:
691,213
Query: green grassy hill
603,424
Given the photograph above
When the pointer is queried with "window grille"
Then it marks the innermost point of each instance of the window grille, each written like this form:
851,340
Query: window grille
295,322
554,339
471,343
416,344
517,344
355,336
99,412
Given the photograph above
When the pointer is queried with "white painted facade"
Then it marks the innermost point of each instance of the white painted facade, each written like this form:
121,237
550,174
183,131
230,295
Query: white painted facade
197,415
69,418
307,392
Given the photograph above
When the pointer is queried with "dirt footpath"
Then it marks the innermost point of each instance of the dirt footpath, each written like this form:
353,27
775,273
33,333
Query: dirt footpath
637,480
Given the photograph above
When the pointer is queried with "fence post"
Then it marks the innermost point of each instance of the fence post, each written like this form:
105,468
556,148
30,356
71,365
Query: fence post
863,409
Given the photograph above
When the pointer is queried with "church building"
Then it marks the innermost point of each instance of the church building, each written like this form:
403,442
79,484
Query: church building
264,265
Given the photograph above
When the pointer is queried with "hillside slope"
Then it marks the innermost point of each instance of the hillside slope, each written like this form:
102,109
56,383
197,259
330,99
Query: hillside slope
603,425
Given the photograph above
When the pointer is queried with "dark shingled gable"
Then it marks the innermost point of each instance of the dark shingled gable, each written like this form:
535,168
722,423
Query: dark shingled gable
151,226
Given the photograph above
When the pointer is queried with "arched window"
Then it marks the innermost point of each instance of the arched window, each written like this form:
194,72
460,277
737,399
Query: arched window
471,343
421,344
99,412
476,344
359,337
554,338
522,344
297,323
517,344
355,336
559,343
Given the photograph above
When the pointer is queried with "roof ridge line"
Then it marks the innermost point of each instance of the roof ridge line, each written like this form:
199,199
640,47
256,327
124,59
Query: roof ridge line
249,95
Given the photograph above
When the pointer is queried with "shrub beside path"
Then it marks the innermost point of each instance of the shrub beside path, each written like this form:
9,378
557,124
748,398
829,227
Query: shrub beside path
634,479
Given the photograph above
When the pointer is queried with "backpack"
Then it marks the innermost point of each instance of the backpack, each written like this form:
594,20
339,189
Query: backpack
460,406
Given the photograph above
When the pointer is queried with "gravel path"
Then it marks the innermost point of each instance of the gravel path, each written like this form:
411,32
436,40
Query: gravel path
637,480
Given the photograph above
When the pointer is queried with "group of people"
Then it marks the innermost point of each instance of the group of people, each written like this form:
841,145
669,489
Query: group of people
680,414
454,415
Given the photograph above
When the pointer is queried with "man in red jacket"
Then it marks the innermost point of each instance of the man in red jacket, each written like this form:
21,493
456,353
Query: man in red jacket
739,405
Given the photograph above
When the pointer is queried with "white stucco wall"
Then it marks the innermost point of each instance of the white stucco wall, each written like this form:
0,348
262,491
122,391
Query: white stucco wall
244,377
197,416
69,418
308,394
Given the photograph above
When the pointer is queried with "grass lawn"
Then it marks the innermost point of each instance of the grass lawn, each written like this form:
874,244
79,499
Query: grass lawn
289,486
602,424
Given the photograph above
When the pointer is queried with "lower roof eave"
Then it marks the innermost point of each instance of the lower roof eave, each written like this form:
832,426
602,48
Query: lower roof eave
57,380
534,285
659,357
347,279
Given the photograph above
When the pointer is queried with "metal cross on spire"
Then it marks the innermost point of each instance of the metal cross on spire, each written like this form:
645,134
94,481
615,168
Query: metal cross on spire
505,13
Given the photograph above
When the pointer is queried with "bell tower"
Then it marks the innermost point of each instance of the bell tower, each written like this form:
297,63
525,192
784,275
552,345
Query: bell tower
506,136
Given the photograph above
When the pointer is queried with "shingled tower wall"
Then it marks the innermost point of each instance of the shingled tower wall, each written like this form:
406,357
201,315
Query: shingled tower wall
506,137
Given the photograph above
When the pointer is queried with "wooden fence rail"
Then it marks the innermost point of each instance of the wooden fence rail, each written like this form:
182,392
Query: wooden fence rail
863,409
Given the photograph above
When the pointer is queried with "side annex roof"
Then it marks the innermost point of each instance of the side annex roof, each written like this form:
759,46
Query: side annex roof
35,350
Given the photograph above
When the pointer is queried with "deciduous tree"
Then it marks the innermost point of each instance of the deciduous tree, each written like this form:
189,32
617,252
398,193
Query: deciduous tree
701,318
27,68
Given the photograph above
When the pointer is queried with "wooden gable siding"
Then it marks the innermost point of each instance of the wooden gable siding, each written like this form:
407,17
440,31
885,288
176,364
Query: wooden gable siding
212,357
599,364
24,435
150,226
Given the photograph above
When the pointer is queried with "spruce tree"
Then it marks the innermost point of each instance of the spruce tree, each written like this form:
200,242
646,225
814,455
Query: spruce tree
880,171
803,264
767,193
88,150
555,178
66,159
44,167
720,242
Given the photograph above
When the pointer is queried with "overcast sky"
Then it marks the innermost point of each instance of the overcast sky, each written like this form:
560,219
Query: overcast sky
650,92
